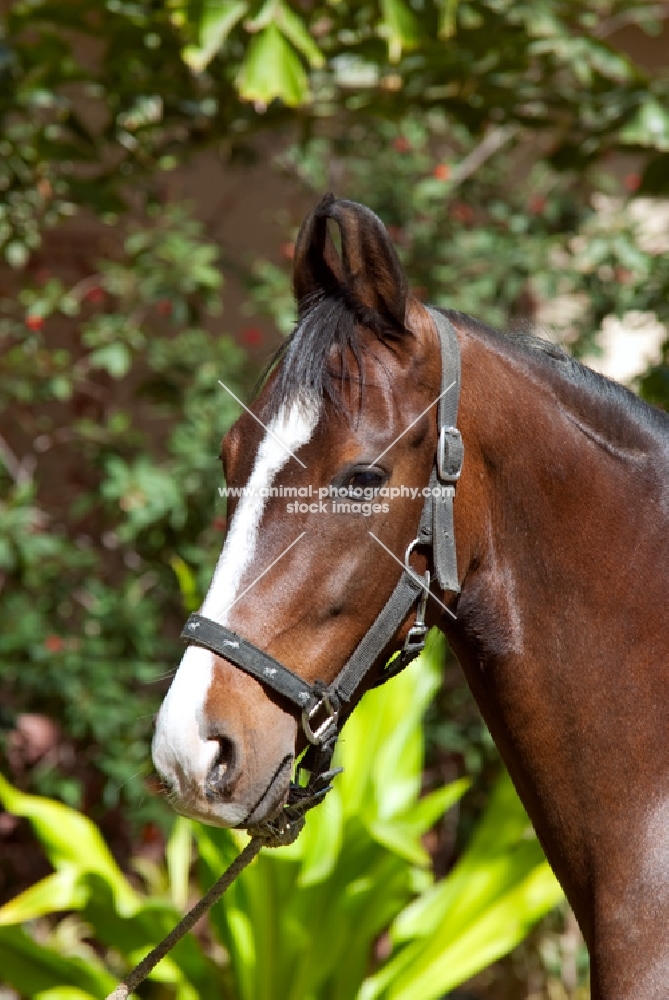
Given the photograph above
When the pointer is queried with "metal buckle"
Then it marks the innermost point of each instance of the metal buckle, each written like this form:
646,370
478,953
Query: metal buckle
319,735
415,640
449,450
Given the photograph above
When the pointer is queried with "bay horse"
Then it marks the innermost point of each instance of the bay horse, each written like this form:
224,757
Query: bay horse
556,612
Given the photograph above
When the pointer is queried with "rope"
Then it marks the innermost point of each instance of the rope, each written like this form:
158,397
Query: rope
141,971
279,832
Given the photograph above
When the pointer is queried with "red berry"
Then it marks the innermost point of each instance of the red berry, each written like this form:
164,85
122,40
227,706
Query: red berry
252,336
96,294
53,643
462,212
537,204
401,144
441,172
150,833
164,307
632,182
34,322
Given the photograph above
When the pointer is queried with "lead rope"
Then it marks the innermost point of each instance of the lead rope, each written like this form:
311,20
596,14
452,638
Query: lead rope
141,971
275,833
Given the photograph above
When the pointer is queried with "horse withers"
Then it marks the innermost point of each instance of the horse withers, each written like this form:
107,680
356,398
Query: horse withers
557,615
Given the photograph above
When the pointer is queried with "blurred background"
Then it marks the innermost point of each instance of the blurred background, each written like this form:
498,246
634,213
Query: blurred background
156,161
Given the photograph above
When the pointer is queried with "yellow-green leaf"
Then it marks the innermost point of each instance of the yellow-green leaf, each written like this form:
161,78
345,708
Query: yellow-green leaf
178,856
272,69
69,838
187,583
447,14
219,17
400,26
65,993
33,968
296,32
63,890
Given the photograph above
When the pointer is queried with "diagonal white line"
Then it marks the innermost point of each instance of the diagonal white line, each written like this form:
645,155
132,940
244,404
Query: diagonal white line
411,425
287,549
416,578
259,421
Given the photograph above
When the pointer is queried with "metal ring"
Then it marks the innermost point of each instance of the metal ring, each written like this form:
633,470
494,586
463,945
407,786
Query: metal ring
410,548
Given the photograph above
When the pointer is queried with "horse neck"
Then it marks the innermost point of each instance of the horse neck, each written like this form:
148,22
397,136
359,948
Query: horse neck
559,528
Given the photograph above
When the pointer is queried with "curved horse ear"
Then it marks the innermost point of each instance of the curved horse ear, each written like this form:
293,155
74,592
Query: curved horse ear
369,273
317,268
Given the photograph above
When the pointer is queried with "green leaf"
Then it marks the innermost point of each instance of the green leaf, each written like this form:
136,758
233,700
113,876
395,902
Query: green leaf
33,968
295,31
448,10
178,857
272,69
187,583
322,840
436,964
649,127
16,254
114,358
69,839
219,17
501,886
64,993
62,890
400,26
61,387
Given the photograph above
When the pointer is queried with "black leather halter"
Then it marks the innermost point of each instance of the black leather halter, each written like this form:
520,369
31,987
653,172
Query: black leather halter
320,705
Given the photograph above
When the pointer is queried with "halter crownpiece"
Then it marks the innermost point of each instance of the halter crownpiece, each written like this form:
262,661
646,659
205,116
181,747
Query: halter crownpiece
319,704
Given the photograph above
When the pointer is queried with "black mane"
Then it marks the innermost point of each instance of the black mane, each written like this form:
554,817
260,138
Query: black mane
313,361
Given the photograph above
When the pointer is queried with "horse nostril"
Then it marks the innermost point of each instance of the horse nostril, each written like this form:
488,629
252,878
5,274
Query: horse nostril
224,770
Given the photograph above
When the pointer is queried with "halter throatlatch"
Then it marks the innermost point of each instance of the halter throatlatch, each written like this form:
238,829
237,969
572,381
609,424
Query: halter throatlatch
319,704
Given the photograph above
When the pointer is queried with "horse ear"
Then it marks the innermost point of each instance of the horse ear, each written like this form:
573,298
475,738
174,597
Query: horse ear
369,273
317,268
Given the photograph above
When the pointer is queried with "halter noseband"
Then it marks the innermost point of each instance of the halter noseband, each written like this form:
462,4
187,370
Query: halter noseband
320,704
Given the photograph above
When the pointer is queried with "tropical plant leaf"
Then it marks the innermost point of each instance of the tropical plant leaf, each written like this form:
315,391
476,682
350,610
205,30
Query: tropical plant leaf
70,839
272,69
32,968
63,890
217,20
501,886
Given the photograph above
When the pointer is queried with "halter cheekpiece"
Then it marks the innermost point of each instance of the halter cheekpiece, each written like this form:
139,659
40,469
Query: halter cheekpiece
319,704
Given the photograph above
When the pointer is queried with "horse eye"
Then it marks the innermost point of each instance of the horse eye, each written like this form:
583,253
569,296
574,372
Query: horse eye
366,479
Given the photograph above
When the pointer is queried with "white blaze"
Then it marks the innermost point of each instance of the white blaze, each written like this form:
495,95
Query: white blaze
182,751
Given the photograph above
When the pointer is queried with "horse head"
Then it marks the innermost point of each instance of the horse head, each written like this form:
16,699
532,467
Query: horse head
327,474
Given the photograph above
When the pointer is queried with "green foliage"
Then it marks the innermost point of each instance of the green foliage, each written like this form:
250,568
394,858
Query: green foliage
570,246
481,131
302,921
159,81
499,888
126,421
